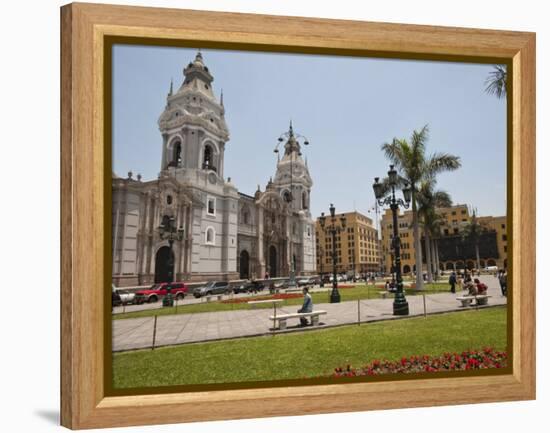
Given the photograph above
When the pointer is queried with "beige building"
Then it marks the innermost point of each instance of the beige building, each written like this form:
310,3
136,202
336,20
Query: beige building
500,226
453,252
357,246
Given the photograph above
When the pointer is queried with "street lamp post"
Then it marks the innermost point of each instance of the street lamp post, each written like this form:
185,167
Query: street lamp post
321,259
168,231
333,229
400,304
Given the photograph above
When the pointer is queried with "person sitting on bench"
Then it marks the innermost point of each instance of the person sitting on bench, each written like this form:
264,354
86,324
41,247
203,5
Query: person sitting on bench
481,288
307,306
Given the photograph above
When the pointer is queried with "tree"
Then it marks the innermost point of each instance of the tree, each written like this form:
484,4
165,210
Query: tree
428,201
414,166
496,82
473,231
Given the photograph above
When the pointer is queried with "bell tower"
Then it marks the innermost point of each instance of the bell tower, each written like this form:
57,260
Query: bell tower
292,178
193,127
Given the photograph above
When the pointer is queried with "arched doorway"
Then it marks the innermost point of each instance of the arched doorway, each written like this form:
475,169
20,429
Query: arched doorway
470,264
491,262
406,269
449,266
244,265
164,265
272,261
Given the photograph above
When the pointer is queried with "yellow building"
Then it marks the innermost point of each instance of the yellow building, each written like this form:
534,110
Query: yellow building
500,226
452,253
357,246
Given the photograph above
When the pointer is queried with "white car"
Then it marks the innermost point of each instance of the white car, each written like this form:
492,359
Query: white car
126,297
122,296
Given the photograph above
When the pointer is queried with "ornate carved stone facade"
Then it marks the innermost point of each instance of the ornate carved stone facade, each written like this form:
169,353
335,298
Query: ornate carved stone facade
227,235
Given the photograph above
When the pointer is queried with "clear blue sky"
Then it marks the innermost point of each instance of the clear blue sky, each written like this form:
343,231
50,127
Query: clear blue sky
347,107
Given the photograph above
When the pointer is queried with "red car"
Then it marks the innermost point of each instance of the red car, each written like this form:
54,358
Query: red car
158,291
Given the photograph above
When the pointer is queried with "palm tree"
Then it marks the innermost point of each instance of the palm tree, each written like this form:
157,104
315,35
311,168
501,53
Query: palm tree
428,201
414,166
495,84
473,231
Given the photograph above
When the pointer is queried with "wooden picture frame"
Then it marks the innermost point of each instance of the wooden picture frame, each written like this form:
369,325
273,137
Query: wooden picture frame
84,27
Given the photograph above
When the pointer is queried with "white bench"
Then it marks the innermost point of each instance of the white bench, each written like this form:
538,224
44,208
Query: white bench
314,315
467,300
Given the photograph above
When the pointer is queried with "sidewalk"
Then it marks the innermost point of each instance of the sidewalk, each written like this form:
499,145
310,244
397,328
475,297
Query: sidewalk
176,329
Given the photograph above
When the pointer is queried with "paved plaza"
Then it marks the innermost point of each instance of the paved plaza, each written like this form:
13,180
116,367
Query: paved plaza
129,334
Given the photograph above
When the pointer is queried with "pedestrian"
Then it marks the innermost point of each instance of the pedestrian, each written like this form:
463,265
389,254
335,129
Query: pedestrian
503,283
460,283
307,306
452,282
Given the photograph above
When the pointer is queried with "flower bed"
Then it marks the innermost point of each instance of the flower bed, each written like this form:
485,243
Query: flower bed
263,298
468,360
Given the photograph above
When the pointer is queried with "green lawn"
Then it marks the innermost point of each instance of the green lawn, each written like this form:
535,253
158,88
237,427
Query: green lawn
347,294
310,354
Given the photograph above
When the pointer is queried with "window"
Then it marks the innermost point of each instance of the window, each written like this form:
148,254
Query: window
503,237
176,159
286,196
208,158
210,236
211,206
245,215
168,199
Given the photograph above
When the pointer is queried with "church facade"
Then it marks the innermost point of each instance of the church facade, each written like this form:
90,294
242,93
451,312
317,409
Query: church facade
222,234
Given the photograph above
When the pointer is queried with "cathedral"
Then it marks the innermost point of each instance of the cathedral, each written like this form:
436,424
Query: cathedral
218,233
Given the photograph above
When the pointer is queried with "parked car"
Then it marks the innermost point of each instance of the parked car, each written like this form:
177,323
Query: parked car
115,297
158,291
126,297
212,288
248,287
308,281
281,285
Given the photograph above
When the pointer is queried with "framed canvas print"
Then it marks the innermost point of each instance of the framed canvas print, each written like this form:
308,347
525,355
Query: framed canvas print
278,216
